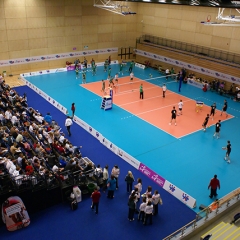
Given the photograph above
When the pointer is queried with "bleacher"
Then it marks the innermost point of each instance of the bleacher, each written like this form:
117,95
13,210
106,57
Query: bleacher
35,156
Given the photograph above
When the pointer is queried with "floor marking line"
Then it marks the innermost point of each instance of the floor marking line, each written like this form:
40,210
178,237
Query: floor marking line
161,108
143,100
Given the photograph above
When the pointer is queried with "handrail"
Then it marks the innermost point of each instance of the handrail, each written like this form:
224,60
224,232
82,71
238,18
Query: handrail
223,201
192,48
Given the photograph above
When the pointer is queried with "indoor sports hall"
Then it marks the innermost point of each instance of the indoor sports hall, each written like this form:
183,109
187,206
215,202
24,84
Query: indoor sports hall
38,38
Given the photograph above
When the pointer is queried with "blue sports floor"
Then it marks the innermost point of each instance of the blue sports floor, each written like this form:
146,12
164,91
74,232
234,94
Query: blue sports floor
189,162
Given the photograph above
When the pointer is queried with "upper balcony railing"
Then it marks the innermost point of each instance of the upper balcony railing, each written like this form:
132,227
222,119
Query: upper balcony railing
206,214
202,51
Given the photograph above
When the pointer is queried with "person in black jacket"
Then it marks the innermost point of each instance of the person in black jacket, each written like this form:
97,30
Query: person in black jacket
129,179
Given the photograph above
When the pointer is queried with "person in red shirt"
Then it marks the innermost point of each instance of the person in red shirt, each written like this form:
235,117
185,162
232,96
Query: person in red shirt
214,184
73,109
95,199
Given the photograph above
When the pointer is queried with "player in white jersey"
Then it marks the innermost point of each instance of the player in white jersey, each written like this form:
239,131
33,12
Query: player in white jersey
180,106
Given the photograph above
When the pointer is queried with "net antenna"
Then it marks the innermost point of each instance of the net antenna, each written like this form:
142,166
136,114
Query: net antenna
233,19
113,6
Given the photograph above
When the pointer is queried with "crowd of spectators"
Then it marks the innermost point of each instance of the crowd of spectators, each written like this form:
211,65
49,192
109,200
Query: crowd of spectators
33,149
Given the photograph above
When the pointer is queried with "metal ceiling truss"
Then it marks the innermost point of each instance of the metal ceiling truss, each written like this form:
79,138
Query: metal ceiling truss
233,19
113,6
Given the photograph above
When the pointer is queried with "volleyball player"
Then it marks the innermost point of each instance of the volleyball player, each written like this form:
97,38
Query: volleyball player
103,87
174,115
131,77
225,106
180,106
121,68
217,129
213,108
111,83
164,89
229,149
204,125
94,69
116,83
77,72
83,77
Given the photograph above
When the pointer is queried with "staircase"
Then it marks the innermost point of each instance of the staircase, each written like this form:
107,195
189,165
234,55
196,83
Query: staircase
224,231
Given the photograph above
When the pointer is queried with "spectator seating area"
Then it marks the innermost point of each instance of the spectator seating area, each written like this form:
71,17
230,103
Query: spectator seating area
34,153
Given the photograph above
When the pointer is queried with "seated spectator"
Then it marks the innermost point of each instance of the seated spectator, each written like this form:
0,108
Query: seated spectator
36,163
70,165
88,167
19,137
14,149
56,169
48,118
29,169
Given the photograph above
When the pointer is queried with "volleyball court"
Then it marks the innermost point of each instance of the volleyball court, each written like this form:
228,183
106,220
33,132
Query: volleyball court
155,109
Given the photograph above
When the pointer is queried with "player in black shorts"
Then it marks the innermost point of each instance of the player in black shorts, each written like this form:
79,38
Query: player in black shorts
217,129
213,108
205,123
174,115
225,106
228,148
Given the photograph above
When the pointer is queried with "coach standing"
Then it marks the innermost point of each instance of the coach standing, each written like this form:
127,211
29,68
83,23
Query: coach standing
68,124
214,184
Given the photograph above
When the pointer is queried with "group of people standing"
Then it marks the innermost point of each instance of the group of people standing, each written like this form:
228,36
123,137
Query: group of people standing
145,210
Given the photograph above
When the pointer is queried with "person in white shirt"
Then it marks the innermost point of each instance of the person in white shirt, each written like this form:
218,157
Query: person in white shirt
139,186
155,201
167,72
31,128
115,173
8,115
180,106
142,207
14,120
148,213
68,124
164,89
131,77
105,178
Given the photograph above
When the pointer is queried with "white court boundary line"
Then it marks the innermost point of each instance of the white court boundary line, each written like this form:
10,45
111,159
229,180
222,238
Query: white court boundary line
133,90
136,116
162,107
144,99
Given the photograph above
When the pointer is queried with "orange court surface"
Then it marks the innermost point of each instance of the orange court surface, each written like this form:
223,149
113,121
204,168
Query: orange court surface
155,109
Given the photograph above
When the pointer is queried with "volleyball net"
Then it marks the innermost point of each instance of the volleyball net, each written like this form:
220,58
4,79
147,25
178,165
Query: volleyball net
133,85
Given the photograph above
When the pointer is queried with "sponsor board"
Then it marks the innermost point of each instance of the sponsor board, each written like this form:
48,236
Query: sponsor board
45,96
129,159
192,67
140,65
179,194
151,174
51,57
195,84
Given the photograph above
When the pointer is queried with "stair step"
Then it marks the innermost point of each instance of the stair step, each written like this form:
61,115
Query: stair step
224,232
235,233
215,229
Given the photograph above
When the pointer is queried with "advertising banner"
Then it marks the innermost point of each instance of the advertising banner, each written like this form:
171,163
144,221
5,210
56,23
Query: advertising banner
205,71
179,194
51,57
151,174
